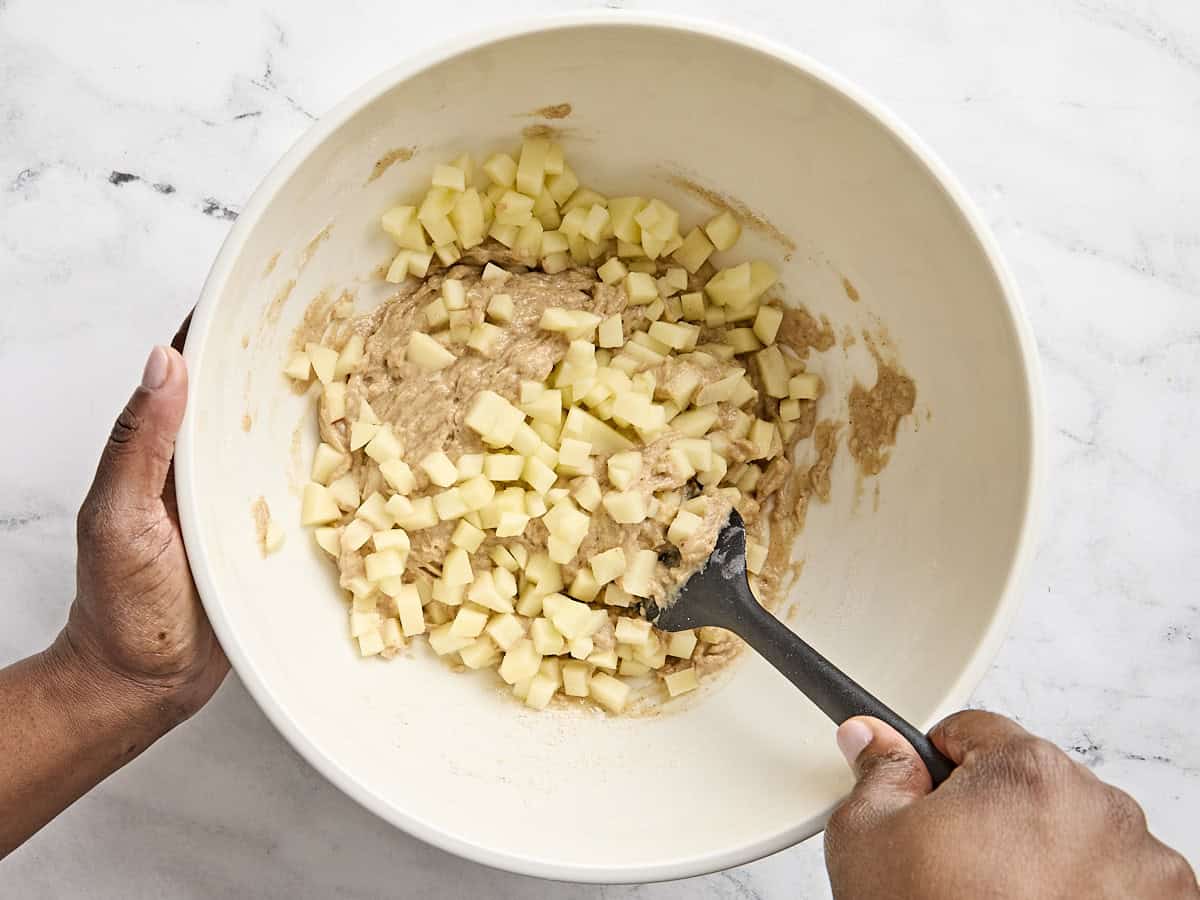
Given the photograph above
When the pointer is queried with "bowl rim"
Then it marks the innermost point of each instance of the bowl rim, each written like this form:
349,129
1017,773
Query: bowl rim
954,696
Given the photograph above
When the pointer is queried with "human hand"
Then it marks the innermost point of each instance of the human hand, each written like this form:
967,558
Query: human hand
1018,818
136,613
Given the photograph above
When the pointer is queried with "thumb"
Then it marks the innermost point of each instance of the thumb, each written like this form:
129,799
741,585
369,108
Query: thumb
890,774
137,457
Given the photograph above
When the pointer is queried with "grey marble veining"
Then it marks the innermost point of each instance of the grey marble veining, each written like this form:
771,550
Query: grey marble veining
130,135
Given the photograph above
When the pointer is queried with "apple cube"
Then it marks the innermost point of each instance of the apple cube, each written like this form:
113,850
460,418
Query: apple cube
468,622
632,631
640,288
323,361
427,354
370,644
624,468
503,466
546,638
575,678
456,569
505,629
804,386
609,692
317,506
501,169
520,661
608,565
587,493
439,468
681,681
407,604
540,692
625,507
479,654
639,575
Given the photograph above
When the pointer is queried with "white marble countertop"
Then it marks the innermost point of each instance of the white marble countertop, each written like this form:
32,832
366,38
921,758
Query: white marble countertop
1074,123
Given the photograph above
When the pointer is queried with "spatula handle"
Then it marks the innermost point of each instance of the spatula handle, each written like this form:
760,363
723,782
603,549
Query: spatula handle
837,695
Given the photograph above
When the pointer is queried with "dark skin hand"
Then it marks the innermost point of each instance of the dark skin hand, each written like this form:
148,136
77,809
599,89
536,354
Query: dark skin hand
137,655
1017,819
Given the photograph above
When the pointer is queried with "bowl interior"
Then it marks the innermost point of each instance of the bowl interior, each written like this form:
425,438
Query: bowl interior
903,582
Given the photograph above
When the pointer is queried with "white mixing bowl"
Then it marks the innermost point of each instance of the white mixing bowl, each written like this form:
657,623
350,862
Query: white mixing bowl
911,592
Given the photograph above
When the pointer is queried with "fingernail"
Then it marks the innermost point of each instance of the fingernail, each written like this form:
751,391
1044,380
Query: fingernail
852,738
155,372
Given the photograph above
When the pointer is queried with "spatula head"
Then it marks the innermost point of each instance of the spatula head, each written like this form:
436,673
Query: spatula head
711,594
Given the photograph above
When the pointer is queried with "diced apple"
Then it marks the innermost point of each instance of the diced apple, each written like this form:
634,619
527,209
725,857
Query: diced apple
344,491
328,540
632,631
597,224
583,586
575,678
467,536
520,661
773,371
468,219
767,322
440,469
678,335
540,692
370,644
538,475
505,629
325,462
449,177
681,681
624,468
501,169
640,288
680,644
572,618
479,654
493,418
427,354
500,309
756,556
640,573
608,565
625,507
323,360
804,386
456,569
587,493
694,251
407,603
505,234
468,622
609,692
484,593
573,457
317,506
514,209
384,445
545,637
612,271
723,230
503,466
443,642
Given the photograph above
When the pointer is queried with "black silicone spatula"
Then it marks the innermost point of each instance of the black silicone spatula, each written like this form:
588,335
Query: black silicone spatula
718,594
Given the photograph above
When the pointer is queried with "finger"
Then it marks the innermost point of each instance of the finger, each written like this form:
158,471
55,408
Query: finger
890,773
137,457
974,730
